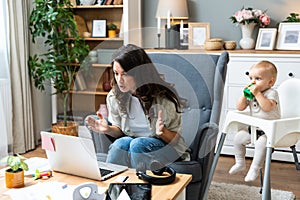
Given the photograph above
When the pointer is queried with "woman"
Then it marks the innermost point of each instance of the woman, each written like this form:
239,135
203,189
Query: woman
144,112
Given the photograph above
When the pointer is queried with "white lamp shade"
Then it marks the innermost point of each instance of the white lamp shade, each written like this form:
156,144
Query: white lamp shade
177,8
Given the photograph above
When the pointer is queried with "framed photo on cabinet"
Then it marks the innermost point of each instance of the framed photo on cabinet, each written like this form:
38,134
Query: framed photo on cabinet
184,37
99,28
266,38
198,34
288,36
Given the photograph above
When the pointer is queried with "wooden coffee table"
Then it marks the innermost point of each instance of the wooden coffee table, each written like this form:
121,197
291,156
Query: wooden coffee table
175,190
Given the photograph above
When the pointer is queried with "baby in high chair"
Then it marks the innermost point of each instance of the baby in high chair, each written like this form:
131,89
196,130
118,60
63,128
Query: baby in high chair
265,105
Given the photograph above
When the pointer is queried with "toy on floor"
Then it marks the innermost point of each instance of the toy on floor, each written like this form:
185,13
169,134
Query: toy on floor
42,175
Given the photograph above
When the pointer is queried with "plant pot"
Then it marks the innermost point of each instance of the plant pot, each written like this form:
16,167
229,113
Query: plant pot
112,33
14,179
70,129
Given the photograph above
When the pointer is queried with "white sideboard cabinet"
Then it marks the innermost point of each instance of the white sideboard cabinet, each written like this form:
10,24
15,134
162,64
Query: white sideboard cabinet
288,66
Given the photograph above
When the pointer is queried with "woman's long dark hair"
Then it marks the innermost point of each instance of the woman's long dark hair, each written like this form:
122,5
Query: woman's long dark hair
149,82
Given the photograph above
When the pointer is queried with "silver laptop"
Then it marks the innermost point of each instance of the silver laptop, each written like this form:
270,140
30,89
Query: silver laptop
76,156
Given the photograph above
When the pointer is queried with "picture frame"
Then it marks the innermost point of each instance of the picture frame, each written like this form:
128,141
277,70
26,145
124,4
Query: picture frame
73,2
185,35
198,33
288,36
266,39
99,28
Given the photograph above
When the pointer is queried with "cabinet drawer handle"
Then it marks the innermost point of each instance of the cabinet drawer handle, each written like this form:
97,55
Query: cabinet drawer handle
291,74
247,73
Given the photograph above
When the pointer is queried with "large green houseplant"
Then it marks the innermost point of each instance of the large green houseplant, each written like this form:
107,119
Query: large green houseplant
54,20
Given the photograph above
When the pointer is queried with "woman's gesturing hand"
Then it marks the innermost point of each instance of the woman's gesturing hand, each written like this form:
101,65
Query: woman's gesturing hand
160,124
99,125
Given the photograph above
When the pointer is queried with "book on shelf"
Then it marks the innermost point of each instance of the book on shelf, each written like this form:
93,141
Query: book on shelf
79,82
74,87
108,2
73,2
101,2
118,2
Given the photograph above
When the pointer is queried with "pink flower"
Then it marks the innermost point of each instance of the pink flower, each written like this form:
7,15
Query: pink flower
250,15
239,16
265,19
257,12
247,14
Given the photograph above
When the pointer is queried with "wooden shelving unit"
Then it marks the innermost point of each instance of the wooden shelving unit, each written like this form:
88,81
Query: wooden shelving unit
90,92
89,97
98,6
128,16
101,65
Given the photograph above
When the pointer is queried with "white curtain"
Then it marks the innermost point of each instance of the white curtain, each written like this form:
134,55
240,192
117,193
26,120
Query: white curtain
22,123
5,91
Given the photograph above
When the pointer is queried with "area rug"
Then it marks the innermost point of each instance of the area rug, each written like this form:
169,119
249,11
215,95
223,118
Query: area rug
224,191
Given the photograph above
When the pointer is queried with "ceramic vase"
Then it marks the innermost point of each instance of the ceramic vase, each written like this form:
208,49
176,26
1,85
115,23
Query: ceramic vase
103,110
247,42
106,81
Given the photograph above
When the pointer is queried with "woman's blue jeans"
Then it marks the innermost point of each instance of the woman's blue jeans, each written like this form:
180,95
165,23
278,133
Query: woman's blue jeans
131,151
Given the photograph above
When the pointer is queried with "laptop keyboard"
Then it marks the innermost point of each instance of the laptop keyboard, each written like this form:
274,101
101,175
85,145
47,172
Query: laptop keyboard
104,172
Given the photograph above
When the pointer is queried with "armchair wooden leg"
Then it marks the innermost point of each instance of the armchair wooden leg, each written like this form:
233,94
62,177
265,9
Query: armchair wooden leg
261,180
214,164
266,195
295,157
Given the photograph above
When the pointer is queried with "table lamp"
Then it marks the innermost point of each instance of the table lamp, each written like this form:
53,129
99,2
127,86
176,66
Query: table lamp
171,10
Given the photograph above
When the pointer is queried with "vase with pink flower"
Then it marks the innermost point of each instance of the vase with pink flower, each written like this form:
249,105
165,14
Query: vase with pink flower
103,110
248,19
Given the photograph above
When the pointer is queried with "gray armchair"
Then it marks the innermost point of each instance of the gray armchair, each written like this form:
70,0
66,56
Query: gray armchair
199,78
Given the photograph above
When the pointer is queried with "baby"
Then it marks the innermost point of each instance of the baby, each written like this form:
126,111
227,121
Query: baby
265,105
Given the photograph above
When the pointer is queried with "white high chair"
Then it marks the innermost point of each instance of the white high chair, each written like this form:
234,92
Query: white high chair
284,132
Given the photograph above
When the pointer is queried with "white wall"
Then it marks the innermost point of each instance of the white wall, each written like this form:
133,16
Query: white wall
41,111
41,100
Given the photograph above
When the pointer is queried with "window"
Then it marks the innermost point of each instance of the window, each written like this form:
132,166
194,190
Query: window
4,47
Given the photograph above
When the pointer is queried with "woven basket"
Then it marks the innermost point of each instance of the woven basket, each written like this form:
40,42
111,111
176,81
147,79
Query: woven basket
230,45
70,129
213,44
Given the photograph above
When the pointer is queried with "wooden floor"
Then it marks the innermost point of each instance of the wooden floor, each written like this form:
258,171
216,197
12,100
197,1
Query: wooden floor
284,175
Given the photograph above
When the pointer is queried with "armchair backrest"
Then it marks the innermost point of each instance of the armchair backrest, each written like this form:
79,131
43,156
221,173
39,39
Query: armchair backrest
200,79
289,98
